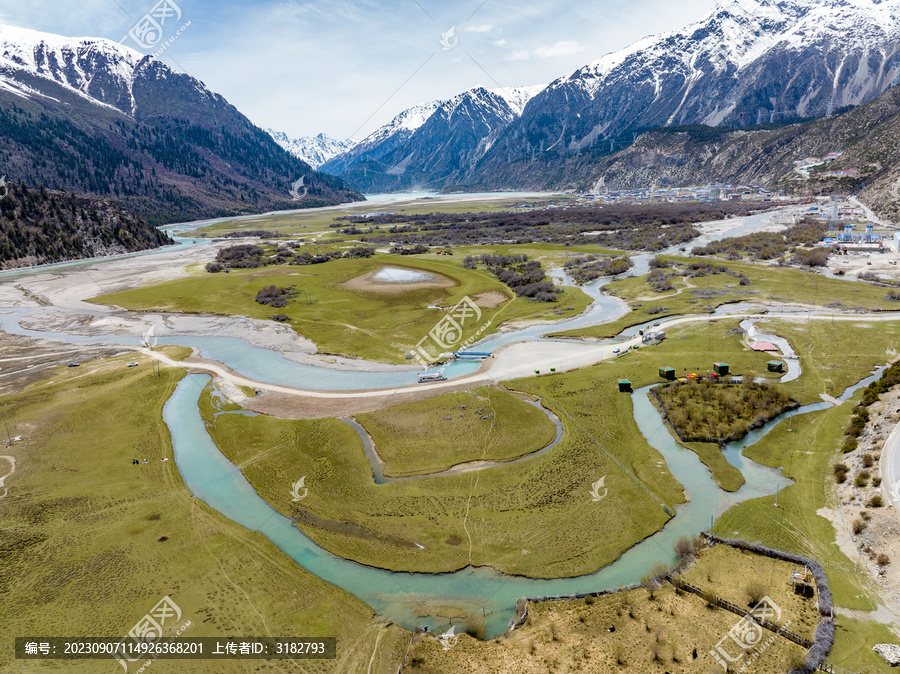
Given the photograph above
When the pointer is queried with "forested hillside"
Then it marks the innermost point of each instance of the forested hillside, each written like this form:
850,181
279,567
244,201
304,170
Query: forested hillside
40,226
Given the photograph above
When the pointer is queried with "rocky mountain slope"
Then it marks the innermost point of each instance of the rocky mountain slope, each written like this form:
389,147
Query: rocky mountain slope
95,117
866,138
747,62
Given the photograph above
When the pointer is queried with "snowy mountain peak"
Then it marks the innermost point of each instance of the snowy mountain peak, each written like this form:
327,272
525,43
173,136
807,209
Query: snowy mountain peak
518,97
314,150
94,68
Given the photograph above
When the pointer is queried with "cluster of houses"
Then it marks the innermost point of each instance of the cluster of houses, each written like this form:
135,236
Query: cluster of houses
705,193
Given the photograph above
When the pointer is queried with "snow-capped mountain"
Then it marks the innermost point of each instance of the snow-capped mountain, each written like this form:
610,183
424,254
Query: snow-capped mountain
384,139
33,64
314,150
94,117
746,62
433,143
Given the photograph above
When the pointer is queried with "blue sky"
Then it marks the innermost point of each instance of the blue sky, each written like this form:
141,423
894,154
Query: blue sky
347,66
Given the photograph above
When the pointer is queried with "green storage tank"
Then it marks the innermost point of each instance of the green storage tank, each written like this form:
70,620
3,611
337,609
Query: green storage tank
667,373
624,386
720,369
775,366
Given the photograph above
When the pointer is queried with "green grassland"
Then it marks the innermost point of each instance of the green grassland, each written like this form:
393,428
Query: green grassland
542,506
805,454
767,284
534,518
669,631
726,476
835,355
853,643
430,436
90,543
369,325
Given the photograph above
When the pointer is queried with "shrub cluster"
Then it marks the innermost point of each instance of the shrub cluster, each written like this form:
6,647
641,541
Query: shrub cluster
250,256
705,411
418,249
652,227
811,257
524,277
768,245
275,296
587,268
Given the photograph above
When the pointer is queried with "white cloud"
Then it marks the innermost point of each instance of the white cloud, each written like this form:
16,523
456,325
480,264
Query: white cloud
519,56
483,28
499,43
563,48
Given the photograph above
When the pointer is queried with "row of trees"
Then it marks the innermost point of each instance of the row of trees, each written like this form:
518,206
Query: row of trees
650,227
251,256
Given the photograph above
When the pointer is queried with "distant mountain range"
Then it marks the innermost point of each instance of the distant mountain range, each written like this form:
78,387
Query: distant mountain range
40,226
434,144
745,63
791,157
97,118
314,150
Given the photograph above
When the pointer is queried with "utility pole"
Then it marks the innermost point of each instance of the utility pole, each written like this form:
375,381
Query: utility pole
8,438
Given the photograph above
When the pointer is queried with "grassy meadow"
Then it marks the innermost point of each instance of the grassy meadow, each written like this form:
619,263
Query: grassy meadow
485,424
376,326
530,518
534,518
90,542
700,295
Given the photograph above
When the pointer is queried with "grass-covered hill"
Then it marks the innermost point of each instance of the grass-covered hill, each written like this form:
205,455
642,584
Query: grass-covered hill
41,226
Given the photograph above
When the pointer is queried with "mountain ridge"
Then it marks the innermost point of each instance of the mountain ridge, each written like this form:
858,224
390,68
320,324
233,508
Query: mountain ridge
97,118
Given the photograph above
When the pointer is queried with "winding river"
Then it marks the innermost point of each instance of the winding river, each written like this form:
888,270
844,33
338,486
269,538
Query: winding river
395,596
213,479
